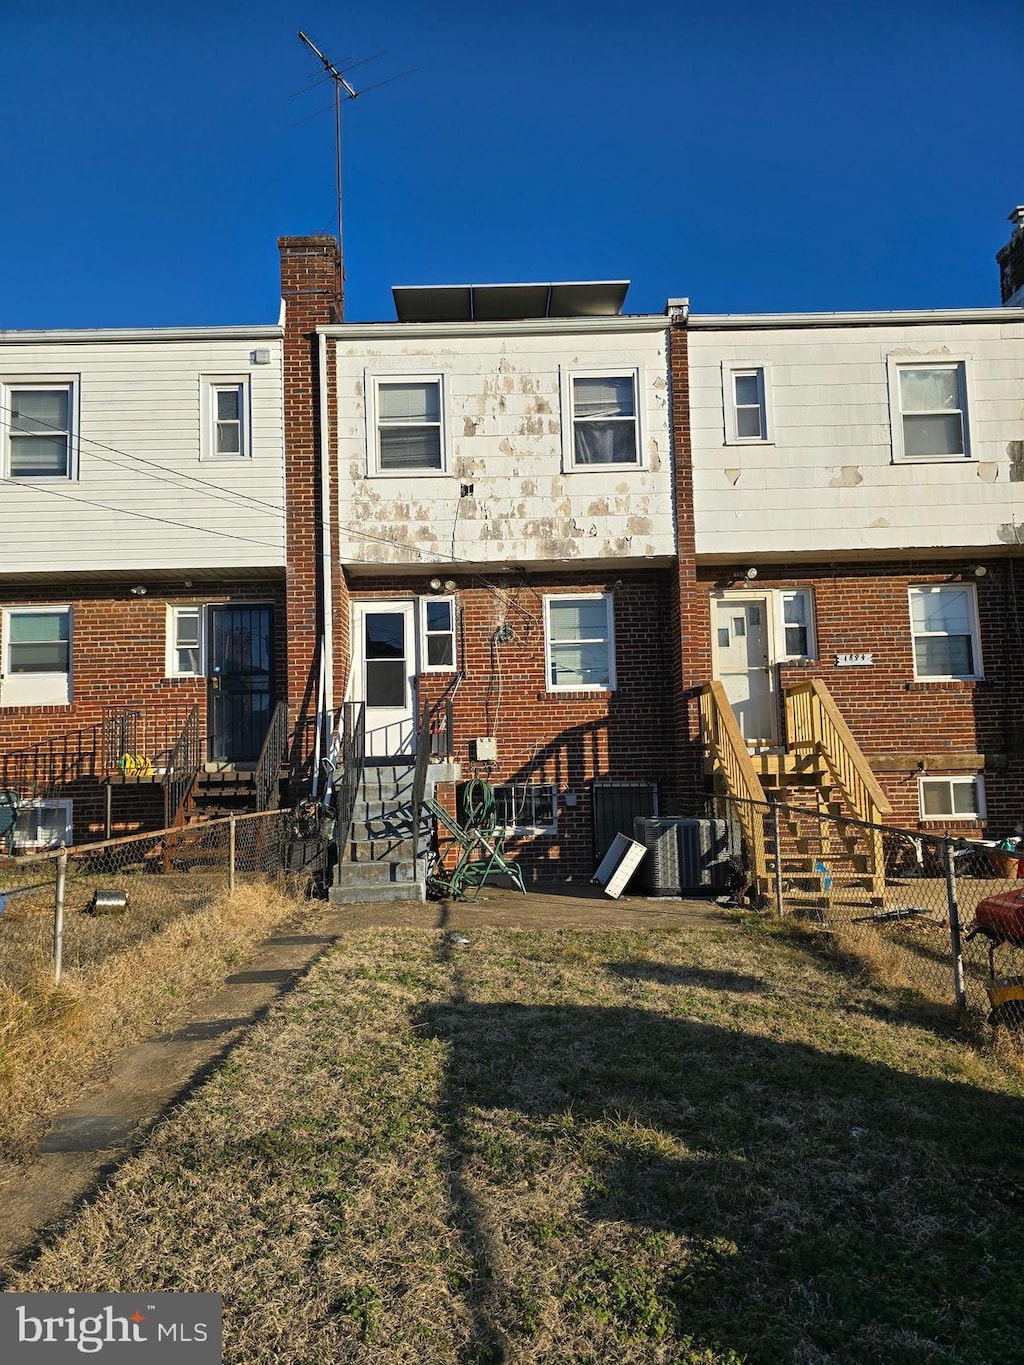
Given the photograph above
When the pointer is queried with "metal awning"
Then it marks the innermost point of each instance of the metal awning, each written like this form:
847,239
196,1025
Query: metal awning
509,302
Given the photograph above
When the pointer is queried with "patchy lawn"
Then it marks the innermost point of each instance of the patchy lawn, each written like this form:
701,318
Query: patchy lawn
695,1146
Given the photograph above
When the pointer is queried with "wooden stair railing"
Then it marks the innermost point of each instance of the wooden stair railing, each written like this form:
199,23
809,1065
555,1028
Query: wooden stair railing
815,725
728,750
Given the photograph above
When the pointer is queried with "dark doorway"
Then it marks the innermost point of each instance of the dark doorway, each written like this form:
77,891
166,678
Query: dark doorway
241,683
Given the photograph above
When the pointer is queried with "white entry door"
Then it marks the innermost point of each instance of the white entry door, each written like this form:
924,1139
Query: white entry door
384,674
743,666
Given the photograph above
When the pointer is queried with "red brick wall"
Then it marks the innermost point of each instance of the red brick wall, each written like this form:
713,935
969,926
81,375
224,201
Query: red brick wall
311,287
950,727
566,739
118,662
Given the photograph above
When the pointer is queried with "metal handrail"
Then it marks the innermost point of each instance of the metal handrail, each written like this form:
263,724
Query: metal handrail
91,751
352,725
267,774
435,740
182,770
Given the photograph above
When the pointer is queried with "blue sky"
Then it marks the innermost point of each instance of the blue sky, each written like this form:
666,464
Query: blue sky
753,156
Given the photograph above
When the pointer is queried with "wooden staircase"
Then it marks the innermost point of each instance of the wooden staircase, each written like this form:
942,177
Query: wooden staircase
828,799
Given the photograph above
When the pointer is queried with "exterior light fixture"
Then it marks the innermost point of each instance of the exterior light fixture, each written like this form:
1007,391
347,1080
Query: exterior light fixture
979,570
750,573
137,590
435,585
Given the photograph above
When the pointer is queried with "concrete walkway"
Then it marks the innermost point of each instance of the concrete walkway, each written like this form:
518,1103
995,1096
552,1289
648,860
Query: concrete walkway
87,1142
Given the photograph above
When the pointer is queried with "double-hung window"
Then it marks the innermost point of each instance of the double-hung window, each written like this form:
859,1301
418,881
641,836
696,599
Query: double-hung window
944,626
438,634
603,419
409,414
36,656
929,417
40,431
225,418
580,642
797,624
185,642
745,389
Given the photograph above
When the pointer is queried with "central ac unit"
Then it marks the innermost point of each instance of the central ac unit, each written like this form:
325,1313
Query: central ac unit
686,855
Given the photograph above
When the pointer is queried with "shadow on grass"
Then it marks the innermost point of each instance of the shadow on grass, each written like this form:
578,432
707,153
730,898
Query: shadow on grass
817,1206
667,974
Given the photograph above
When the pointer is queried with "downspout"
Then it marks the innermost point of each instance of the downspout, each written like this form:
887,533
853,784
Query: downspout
326,707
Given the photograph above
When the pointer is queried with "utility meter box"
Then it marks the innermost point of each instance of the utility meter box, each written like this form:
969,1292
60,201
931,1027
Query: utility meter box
485,749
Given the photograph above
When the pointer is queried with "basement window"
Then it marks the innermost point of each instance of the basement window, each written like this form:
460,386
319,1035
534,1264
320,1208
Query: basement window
952,798
526,808
42,824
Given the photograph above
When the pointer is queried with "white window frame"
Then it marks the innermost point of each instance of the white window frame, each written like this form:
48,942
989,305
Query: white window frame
61,803
609,638
975,634
731,369
35,689
952,817
174,613
782,654
962,365
210,386
425,635
42,384
566,377
519,790
372,381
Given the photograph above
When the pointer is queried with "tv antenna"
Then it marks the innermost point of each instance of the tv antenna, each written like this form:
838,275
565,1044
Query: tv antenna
343,90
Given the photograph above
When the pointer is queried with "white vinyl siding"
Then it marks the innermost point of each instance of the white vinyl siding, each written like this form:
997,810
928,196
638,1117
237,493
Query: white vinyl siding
580,643
944,626
140,498
36,656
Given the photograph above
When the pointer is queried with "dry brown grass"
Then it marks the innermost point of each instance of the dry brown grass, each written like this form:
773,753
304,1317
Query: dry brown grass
657,1148
127,976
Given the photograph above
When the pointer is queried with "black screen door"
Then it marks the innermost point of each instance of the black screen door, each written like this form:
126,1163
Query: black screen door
241,682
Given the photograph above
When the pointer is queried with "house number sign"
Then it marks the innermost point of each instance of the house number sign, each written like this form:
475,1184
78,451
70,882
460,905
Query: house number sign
854,660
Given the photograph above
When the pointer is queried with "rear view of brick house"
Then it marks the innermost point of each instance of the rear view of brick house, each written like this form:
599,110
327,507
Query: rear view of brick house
141,569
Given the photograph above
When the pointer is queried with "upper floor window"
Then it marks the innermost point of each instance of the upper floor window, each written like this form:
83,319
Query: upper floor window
36,656
438,634
580,642
604,422
944,626
929,420
40,438
409,414
746,403
226,419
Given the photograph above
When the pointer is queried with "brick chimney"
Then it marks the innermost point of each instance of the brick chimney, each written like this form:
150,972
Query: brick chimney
1011,263
311,294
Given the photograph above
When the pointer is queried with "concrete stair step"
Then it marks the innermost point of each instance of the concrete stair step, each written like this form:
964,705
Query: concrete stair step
370,893
378,850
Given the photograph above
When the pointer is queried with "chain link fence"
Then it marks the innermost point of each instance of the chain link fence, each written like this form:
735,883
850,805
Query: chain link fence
939,917
76,906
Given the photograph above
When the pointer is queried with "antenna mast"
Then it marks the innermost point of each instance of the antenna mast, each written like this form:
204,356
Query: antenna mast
340,84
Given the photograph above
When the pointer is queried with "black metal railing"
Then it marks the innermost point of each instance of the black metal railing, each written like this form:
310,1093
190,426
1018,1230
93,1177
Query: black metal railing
349,769
92,751
182,770
267,775
435,740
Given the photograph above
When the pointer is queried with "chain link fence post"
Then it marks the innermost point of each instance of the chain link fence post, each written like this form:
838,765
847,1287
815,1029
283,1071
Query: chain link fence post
954,925
58,915
231,854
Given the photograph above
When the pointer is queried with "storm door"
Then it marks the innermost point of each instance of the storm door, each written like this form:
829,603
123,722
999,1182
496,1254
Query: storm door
240,682
384,674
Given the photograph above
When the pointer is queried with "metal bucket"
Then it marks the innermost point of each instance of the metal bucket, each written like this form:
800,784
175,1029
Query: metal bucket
108,902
